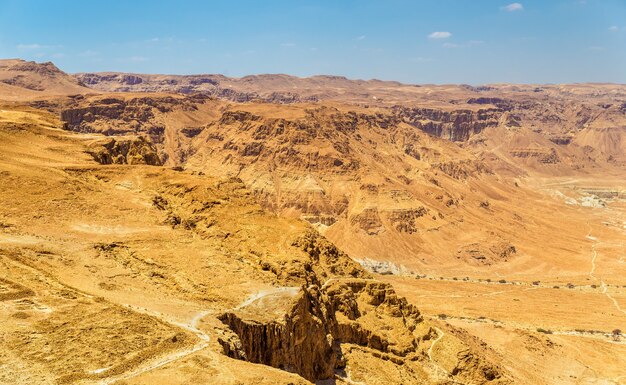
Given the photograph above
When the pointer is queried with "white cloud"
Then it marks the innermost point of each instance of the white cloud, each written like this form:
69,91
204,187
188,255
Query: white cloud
89,53
614,28
37,47
132,59
420,59
513,7
29,47
159,40
288,45
468,44
440,35
360,37
596,48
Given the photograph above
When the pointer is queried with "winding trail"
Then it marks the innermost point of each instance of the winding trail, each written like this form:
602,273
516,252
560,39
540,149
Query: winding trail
595,253
191,326
147,366
430,350
291,290
605,292
163,360
593,269
449,378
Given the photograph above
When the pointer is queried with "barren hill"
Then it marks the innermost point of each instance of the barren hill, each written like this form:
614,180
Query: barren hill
22,79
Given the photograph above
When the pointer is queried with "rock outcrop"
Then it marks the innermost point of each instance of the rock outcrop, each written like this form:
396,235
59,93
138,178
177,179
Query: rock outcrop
455,125
542,155
125,151
325,323
301,342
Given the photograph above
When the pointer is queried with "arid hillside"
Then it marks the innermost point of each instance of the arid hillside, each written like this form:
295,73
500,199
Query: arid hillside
447,187
188,269
257,230
21,79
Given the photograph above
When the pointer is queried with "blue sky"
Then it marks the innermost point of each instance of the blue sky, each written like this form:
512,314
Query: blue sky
444,41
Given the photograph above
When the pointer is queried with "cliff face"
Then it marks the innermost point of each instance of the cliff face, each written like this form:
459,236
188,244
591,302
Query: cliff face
125,151
456,125
116,116
301,342
316,330
325,325
211,85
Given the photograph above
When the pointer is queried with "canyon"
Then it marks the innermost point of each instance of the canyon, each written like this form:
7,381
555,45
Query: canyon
271,229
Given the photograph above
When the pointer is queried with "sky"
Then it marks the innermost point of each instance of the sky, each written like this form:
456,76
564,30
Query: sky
442,41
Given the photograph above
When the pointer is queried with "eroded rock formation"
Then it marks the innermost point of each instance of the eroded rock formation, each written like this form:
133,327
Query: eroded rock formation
125,151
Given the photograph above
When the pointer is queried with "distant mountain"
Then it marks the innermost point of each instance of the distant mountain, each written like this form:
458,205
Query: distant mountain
23,79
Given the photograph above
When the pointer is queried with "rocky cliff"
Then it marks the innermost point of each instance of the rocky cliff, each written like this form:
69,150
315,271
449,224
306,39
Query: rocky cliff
456,125
125,151
325,326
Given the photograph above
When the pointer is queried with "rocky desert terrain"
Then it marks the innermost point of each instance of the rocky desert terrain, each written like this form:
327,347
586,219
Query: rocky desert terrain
164,229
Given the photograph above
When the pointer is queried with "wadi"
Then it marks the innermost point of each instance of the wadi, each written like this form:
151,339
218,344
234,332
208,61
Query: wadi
273,229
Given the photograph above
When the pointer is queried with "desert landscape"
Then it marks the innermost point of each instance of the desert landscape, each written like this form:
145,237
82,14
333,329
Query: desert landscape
161,229
313,192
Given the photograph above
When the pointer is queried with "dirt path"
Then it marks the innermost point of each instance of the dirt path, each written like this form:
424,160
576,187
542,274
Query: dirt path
347,378
191,326
603,285
603,336
605,292
150,365
160,361
430,350
439,368
292,291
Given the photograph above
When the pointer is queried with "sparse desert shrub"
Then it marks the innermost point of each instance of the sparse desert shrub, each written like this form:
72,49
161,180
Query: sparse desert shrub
555,287
536,283
544,331
570,286
616,333
502,281
442,316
